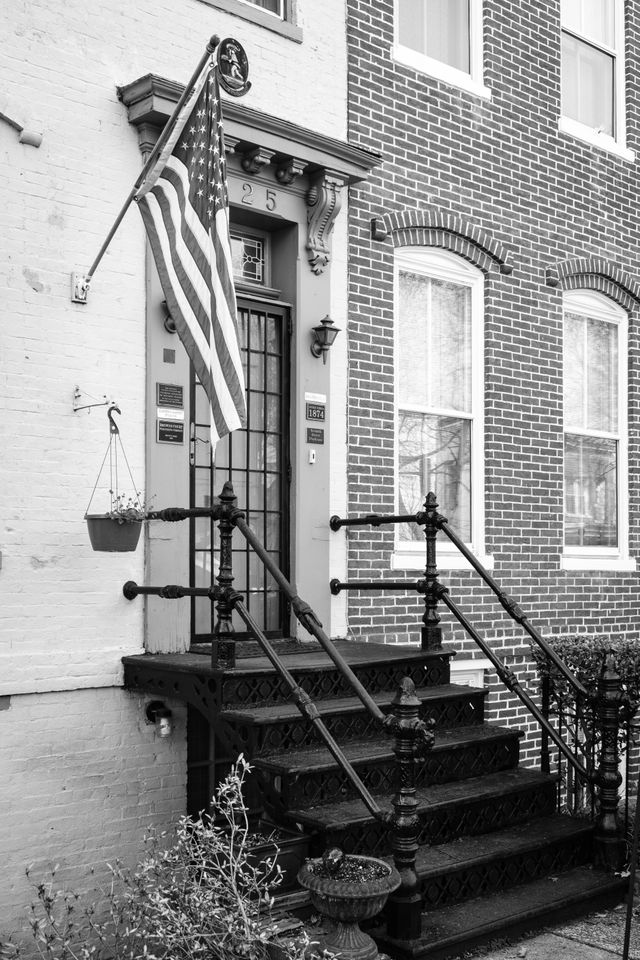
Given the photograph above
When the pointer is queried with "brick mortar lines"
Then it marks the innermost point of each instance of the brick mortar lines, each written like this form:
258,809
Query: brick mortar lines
502,166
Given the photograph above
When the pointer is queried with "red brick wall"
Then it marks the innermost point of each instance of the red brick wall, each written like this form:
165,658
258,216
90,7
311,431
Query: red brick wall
502,166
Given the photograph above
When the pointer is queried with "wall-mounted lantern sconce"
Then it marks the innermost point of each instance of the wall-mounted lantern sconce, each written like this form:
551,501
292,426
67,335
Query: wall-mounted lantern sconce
323,336
159,714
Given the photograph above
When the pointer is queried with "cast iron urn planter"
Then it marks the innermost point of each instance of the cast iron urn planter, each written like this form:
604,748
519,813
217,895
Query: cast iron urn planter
348,901
113,534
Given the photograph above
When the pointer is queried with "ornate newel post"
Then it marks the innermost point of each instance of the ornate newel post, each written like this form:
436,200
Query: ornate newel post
431,629
609,845
404,910
223,649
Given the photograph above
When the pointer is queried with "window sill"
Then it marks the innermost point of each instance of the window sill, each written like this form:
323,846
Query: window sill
255,15
578,130
440,71
620,564
446,560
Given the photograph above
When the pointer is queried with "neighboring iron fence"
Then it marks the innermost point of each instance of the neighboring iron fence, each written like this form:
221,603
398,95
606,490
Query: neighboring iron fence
575,716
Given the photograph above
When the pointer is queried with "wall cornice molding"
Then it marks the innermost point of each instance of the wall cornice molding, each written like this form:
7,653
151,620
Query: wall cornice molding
150,101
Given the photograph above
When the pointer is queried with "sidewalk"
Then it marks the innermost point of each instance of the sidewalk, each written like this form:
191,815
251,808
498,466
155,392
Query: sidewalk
598,936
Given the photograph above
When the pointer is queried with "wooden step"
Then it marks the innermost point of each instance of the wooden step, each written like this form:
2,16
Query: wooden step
448,930
311,776
474,866
446,811
378,667
266,729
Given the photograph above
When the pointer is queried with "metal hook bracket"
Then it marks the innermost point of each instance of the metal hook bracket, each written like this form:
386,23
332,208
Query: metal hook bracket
78,396
113,426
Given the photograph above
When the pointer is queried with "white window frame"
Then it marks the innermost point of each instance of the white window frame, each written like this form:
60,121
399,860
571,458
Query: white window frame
472,81
442,265
617,143
278,16
588,303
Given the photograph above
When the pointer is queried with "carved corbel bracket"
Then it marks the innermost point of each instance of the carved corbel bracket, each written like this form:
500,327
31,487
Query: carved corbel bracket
255,159
230,143
323,202
289,169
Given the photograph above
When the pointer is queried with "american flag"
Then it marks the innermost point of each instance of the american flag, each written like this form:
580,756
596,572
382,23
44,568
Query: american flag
184,205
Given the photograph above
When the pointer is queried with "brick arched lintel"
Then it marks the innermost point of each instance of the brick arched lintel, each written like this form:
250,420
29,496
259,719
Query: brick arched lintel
596,273
431,228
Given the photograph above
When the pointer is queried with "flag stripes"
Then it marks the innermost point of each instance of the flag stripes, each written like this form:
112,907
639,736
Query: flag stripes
184,209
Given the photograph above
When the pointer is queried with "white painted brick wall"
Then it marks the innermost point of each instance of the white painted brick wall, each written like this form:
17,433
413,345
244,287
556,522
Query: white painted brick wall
63,620
82,776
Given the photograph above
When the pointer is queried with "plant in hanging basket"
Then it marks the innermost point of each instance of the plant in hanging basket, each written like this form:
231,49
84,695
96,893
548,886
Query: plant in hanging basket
117,531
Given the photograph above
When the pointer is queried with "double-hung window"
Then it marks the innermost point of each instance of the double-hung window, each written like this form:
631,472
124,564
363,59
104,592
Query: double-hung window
595,433
439,397
442,38
593,101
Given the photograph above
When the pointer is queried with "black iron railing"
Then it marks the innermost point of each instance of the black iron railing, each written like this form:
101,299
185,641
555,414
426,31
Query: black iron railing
411,734
593,773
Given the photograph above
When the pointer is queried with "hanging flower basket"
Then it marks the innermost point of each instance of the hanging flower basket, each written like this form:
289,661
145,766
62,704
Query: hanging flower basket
112,534
118,530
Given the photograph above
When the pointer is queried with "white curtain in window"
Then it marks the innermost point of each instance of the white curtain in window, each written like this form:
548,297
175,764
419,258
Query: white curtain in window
437,28
435,335
591,374
590,18
591,409
434,384
587,84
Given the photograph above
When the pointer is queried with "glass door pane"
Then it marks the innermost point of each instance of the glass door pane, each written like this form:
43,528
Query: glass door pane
256,461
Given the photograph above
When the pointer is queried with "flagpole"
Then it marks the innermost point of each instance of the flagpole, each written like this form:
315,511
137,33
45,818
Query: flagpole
162,139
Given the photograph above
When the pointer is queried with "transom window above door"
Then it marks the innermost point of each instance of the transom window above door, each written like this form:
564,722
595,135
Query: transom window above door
442,38
248,257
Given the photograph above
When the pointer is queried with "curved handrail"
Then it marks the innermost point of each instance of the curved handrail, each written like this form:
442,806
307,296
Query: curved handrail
510,681
303,701
433,590
308,618
509,604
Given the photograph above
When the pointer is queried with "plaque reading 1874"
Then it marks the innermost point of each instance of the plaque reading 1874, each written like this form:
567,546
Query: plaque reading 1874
170,431
169,395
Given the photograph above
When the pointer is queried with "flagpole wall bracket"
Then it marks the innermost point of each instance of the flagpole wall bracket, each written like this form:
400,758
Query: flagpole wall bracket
80,283
78,396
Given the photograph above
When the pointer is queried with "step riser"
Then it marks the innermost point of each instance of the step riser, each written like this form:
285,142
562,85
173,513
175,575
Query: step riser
297,732
506,872
440,766
259,689
445,823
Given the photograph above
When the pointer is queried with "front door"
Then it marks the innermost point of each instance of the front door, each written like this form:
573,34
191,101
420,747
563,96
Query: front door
256,460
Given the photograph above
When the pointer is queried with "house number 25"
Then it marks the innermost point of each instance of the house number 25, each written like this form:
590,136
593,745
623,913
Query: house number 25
250,195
